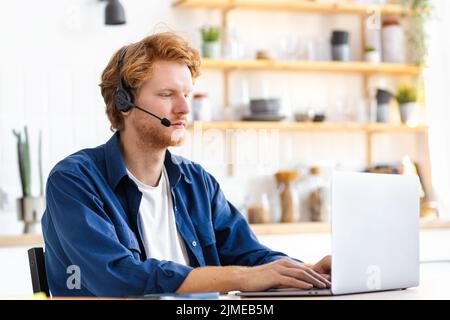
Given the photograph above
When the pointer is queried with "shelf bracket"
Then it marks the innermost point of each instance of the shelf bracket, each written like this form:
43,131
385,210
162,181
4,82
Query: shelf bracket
369,149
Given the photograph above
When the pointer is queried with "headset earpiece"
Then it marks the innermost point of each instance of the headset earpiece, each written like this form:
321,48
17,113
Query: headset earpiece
123,100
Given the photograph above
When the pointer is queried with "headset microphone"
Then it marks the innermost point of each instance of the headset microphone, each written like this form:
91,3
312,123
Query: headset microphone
123,98
164,121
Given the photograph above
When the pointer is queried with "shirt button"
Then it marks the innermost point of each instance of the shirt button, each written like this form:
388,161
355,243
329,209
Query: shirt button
194,243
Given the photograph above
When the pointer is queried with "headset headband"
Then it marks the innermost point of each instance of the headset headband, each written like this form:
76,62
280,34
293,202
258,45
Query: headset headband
119,68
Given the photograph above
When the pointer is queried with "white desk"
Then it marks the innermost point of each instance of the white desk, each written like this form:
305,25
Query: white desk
434,284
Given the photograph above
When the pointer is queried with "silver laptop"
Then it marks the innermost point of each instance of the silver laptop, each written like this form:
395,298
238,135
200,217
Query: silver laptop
375,235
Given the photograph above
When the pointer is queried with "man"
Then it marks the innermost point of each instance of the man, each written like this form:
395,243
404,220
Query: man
129,218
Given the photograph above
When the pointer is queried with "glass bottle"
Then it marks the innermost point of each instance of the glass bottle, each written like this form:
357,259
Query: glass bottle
201,107
232,46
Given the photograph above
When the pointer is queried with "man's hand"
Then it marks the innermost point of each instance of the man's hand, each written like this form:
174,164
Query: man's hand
283,273
323,267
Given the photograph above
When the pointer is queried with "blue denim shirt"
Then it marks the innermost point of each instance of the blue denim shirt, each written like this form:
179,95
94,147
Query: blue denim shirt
91,225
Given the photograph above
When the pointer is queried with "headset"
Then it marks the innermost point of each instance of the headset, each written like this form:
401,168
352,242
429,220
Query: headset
123,97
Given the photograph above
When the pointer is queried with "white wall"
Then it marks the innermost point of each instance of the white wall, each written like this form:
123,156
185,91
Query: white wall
54,51
437,77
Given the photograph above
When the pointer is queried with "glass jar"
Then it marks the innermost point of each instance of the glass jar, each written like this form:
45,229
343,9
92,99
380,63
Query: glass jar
258,210
288,195
233,48
318,196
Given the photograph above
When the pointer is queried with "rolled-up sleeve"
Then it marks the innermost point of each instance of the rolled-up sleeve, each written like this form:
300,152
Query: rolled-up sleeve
237,244
85,236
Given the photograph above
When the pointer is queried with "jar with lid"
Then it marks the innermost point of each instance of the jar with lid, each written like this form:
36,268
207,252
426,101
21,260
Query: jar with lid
340,47
393,41
288,196
383,98
201,107
318,196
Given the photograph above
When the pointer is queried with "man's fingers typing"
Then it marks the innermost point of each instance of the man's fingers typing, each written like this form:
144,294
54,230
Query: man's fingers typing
303,275
290,282
311,272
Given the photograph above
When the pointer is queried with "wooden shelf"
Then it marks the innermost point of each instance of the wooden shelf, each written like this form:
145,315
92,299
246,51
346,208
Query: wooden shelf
312,66
319,227
343,7
26,240
203,4
259,229
306,126
290,228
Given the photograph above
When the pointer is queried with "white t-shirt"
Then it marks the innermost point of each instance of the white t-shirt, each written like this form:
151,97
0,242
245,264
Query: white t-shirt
160,235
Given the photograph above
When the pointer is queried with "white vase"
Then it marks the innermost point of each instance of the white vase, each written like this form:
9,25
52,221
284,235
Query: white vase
393,44
211,49
383,111
30,211
409,113
373,57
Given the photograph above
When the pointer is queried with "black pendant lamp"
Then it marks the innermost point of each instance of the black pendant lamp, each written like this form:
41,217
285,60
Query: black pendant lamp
114,13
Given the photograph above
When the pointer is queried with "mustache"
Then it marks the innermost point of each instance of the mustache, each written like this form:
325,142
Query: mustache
177,120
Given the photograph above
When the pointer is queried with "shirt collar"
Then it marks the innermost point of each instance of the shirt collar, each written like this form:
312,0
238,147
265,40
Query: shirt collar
115,165
116,170
174,169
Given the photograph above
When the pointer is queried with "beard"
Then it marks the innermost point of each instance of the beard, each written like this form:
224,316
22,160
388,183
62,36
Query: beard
155,135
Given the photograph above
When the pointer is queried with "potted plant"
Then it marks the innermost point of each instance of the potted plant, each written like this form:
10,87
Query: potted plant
372,55
409,109
29,208
211,43
419,12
